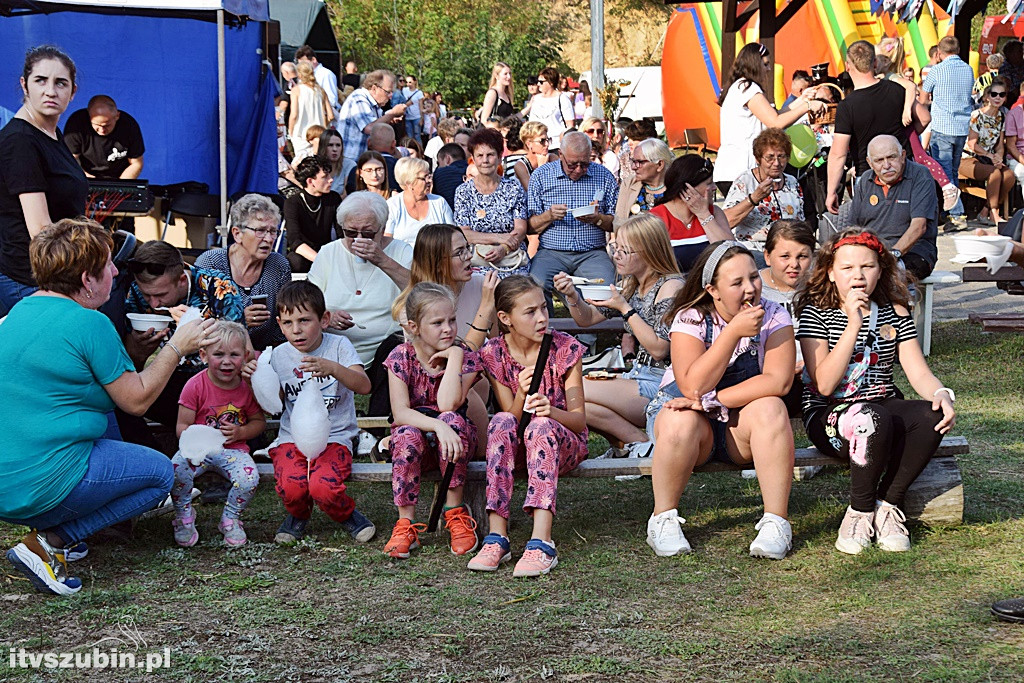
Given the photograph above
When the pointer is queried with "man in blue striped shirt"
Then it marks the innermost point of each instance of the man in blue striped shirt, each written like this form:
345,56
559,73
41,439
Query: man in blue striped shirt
950,82
573,245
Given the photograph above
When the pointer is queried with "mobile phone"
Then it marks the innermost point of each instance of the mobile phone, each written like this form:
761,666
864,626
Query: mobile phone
260,299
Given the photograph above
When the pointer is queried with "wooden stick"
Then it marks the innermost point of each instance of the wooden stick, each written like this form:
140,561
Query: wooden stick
442,495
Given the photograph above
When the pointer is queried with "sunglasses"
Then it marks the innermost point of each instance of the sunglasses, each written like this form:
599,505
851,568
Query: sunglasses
576,164
595,131
352,234
993,93
139,267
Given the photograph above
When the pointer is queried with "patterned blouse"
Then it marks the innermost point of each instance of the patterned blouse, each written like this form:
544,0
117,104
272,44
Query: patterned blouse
494,212
988,128
787,203
565,353
652,311
423,384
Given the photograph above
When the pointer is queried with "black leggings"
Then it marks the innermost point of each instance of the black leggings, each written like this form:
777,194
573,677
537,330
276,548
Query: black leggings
903,442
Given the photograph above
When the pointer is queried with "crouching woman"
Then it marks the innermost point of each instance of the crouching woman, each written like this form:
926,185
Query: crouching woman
732,362
66,472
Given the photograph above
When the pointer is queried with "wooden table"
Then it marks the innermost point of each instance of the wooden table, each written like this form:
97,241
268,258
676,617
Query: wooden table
1007,275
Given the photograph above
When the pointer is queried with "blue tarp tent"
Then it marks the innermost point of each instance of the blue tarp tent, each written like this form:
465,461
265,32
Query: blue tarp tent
159,61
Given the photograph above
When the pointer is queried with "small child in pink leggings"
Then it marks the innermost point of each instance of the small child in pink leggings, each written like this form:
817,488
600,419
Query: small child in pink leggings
430,378
555,440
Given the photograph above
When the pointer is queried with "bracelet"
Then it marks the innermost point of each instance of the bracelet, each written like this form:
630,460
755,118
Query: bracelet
631,311
174,348
708,220
574,305
478,329
750,199
952,396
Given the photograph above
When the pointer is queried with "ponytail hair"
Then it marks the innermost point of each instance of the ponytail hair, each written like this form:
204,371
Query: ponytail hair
508,292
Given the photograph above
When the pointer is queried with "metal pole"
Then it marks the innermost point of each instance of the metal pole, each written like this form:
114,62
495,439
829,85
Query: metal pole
222,124
597,56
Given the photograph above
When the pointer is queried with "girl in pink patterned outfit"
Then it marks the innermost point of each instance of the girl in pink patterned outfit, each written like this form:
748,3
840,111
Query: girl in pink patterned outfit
429,379
555,440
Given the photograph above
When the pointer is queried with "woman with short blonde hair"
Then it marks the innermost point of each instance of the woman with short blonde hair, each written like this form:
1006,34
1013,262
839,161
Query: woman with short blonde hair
415,206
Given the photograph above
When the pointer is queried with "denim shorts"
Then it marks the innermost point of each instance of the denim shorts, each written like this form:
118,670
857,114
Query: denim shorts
647,378
664,395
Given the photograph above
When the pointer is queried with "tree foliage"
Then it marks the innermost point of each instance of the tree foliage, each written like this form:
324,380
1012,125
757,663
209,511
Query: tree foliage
450,46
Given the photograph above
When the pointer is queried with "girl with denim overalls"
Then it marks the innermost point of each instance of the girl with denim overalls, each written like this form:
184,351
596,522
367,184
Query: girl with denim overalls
732,362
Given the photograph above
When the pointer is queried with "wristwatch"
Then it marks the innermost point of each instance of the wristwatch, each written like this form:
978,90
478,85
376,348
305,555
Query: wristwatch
896,254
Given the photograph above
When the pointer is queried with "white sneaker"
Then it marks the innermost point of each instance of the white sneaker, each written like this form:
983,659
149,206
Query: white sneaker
855,532
890,534
639,449
774,537
665,534
366,442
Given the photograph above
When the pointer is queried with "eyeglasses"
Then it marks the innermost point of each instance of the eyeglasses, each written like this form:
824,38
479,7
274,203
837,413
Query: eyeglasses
637,163
542,141
620,251
154,269
376,170
775,158
262,233
576,164
463,254
595,131
424,179
352,234
993,93
389,92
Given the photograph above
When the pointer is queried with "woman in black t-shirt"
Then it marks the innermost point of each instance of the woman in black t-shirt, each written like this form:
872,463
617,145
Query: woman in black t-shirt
309,215
40,181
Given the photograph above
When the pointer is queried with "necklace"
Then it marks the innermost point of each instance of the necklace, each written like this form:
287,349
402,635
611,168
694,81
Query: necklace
366,278
311,209
655,189
38,125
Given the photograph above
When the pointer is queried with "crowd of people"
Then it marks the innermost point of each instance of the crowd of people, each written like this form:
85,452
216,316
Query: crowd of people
437,305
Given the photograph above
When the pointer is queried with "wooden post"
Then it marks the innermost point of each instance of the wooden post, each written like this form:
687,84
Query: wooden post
767,29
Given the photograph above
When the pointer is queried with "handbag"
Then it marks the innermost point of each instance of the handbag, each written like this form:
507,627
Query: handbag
511,261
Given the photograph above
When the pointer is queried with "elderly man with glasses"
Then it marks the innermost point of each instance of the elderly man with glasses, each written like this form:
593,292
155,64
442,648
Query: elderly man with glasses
570,204
362,109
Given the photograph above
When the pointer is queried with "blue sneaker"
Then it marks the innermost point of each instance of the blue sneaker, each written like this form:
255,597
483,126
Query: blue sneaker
359,527
291,530
42,564
76,552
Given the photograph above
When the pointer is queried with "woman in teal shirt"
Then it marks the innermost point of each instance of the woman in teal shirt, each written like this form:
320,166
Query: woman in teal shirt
65,370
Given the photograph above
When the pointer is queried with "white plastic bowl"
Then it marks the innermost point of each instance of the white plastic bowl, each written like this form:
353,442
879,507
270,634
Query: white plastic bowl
980,245
145,321
595,292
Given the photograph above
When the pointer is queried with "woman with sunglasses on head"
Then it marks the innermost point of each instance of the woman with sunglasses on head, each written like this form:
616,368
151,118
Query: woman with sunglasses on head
40,180
372,174
257,270
746,112
649,161
764,194
535,137
687,207
985,151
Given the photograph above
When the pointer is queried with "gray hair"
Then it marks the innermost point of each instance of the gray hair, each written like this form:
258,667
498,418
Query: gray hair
655,150
407,168
364,203
576,141
256,206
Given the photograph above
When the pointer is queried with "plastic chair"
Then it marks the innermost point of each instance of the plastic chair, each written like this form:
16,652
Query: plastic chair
696,137
192,204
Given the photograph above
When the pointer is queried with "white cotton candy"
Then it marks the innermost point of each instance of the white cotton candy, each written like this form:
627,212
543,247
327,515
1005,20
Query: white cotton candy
266,385
192,313
199,441
310,425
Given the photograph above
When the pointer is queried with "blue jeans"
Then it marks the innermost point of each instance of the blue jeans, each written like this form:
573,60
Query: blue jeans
590,264
947,151
11,292
414,129
123,480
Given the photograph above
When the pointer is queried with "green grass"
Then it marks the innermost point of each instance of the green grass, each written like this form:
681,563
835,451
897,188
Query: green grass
332,611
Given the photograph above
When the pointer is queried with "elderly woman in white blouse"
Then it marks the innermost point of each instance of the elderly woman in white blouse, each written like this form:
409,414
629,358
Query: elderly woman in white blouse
361,274
415,206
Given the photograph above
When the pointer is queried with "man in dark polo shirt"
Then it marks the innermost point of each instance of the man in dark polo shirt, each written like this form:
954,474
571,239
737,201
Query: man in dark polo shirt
873,108
451,171
896,198
106,142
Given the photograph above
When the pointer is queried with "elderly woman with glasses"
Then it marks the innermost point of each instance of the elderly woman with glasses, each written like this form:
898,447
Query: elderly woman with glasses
252,264
764,194
361,274
649,160
985,150
415,206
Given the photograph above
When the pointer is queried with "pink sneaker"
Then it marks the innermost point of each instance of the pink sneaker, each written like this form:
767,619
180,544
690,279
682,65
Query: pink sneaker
234,534
496,551
539,558
185,533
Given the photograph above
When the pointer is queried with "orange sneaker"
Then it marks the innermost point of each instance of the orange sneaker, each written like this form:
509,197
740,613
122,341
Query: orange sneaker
404,538
462,528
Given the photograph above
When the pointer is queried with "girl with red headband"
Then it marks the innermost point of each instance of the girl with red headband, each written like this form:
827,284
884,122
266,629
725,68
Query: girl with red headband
854,324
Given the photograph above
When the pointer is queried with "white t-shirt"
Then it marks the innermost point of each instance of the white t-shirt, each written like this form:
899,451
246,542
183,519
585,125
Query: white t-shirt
554,112
610,161
412,102
404,227
341,408
339,275
434,145
739,127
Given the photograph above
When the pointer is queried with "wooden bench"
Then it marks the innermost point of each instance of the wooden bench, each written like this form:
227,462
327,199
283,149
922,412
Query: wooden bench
935,498
976,188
